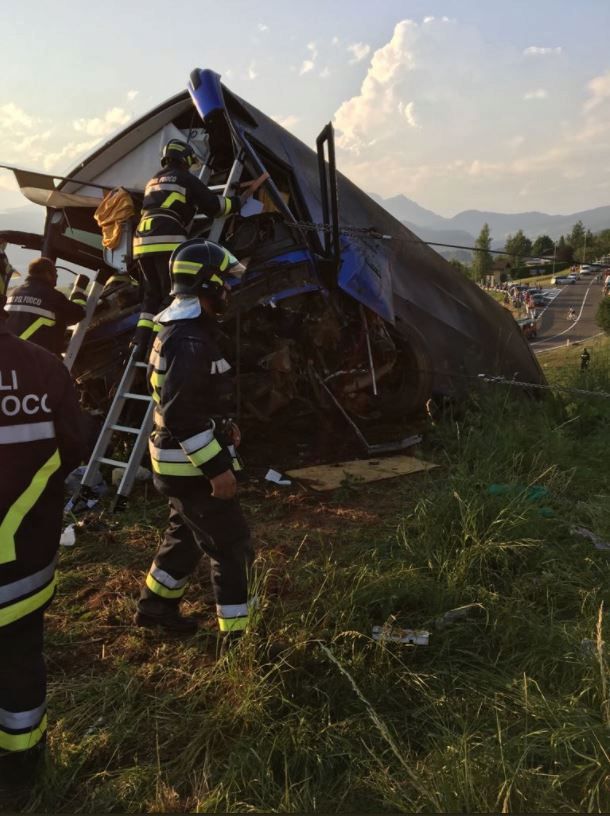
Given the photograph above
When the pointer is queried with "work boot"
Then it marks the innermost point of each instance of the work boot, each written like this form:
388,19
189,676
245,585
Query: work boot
19,772
169,619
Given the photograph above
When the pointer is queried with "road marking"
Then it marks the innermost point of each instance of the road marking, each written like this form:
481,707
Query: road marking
571,326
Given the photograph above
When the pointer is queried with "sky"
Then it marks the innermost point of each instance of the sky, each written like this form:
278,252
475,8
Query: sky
457,104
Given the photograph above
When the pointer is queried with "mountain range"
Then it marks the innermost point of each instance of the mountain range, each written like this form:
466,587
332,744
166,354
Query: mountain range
461,229
464,227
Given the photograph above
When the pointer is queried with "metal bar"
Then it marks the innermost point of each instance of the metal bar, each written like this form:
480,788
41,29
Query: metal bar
368,347
334,195
115,462
95,289
125,429
135,458
320,141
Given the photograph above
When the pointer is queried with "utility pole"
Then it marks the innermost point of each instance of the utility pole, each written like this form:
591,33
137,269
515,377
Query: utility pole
584,252
554,256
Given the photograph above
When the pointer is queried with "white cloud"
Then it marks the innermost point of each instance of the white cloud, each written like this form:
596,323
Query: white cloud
359,51
14,118
131,95
428,121
539,93
428,20
102,126
72,151
325,72
262,27
309,64
335,40
252,72
599,91
287,122
539,51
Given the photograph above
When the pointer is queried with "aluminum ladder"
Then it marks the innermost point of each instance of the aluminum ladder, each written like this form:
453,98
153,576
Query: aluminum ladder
124,393
112,424
93,291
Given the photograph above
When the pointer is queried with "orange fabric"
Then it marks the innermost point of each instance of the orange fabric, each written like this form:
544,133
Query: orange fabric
117,206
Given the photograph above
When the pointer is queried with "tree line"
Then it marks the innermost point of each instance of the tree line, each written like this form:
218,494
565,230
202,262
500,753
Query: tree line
580,245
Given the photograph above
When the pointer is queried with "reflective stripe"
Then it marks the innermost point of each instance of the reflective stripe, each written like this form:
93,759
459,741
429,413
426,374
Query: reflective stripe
33,328
169,469
166,579
204,455
162,187
17,589
169,455
232,624
224,263
18,720
164,592
32,432
80,301
17,307
156,380
156,397
21,742
232,610
216,279
22,506
172,198
145,324
157,239
193,443
157,361
20,609
145,224
220,366
145,250
186,268
224,205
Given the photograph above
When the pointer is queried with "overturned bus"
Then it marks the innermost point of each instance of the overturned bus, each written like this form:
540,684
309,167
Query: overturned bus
342,308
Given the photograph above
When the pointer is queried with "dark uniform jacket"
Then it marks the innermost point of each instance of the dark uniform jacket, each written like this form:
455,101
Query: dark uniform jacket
39,444
192,386
171,199
39,313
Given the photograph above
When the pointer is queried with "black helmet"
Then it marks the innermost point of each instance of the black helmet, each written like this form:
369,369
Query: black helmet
178,151
201,266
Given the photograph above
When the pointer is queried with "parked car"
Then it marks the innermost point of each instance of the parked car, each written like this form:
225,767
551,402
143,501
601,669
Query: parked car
538,299
561,280
574,276
585,269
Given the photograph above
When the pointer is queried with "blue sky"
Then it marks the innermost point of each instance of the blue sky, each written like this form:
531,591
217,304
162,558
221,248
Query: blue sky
457,105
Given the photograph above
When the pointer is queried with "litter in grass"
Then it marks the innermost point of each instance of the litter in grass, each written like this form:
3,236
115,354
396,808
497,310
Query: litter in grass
395,634
532,492
276,477
598,542
458,614
330,477
68,537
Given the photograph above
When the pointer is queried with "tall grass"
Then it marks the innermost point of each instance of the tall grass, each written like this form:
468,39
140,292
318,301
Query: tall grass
507,708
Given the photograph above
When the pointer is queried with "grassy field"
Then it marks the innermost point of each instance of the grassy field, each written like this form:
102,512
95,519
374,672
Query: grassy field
507,709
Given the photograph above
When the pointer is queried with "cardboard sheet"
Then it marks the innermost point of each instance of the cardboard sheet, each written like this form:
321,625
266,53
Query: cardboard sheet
329,477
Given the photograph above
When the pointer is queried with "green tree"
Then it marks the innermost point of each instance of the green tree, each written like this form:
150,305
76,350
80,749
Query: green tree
518,245
482,261
603,314
577,236
565,251
543,245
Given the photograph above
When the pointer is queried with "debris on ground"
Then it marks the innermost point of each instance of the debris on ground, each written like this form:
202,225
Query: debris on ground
276,477
458,614
68,537
396,634
332,476
598,542
143,475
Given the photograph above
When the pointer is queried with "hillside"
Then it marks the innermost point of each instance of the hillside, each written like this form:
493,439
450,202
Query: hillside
505,710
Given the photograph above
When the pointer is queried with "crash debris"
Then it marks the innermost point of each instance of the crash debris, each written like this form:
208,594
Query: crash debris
332,476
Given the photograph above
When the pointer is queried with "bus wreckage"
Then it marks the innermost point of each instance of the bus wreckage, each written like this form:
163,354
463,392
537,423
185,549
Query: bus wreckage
342,309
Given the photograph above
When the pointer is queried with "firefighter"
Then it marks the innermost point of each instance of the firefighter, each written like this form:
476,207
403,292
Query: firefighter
38,312
39,445
171,199
193,449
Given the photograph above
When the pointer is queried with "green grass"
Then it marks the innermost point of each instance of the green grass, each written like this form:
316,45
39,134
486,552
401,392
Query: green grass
504,710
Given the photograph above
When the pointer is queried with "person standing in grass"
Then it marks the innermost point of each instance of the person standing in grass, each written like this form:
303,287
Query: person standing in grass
192,449
40,444
585,359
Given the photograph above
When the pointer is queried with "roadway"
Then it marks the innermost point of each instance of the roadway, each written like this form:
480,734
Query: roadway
555,328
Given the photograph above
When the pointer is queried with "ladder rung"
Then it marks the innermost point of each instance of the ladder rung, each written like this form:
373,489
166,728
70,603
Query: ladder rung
142,397
141,365
125,429
113,462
